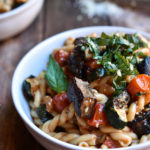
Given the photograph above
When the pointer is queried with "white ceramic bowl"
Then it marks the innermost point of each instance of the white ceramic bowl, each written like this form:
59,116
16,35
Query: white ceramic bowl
18,19
34,62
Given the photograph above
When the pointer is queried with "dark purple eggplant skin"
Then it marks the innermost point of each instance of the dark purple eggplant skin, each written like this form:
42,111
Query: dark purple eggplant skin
141,124
79,41
81,94
76,64
26,88
144,66
76,61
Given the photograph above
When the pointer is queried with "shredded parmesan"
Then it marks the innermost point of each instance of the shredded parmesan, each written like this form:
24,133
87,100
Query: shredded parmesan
92,8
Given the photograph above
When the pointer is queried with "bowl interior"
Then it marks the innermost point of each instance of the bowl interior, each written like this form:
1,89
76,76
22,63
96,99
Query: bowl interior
35,61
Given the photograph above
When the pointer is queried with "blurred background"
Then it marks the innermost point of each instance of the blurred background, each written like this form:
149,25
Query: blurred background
57,16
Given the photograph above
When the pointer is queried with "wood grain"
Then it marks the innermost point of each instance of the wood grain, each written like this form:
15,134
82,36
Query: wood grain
56,16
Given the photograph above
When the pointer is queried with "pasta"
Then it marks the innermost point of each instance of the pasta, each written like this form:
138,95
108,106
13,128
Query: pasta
93,99
59,120
136,107
75,138
131,112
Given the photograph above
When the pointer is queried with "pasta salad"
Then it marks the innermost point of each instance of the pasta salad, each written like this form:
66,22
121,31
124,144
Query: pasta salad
95,91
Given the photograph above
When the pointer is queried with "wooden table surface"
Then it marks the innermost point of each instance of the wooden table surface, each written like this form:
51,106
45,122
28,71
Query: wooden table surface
56,16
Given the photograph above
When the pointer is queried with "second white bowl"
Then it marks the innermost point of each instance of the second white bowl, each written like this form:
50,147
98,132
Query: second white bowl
18,19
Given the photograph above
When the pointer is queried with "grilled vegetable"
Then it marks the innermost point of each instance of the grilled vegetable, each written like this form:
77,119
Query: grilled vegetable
80,93
76,60
97,73
61,57
99,117
26,87
115,110
144,66
79,42
76,64
141,124
60,101
92,64
140,84
43,114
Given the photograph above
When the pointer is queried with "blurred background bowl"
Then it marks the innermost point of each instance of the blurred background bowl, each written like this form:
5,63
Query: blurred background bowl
18,19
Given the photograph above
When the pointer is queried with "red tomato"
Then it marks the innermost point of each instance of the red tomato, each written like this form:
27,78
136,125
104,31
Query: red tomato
60,101
93,64
110,143
140,83
99,117
61,57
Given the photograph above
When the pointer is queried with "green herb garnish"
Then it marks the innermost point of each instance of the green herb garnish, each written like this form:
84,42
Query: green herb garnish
55,76
117,58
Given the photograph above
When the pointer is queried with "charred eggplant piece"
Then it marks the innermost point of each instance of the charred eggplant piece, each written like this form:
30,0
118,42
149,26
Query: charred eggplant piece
141,124
79,41
81,94
26,87
77,65
43,114
76,60
144,66
115,110
97,73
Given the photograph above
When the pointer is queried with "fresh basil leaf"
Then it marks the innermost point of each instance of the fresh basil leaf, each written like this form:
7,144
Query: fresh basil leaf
55,76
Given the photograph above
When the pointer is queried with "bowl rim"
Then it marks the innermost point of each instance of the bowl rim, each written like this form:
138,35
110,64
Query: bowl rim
17,10
19,109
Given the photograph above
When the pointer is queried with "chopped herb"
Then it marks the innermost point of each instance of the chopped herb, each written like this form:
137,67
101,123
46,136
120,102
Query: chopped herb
93,46
55,76
118,58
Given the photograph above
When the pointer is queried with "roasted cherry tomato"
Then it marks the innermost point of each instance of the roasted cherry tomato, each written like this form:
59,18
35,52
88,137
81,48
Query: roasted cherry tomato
99,117
110,143
93,64
61,57
139,84
60,101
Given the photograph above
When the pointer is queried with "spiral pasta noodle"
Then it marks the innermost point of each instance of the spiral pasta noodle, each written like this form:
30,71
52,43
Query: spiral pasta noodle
59,120
135,107
124,137
75,139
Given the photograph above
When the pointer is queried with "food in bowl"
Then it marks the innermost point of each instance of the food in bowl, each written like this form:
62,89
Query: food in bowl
7,5
95,91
